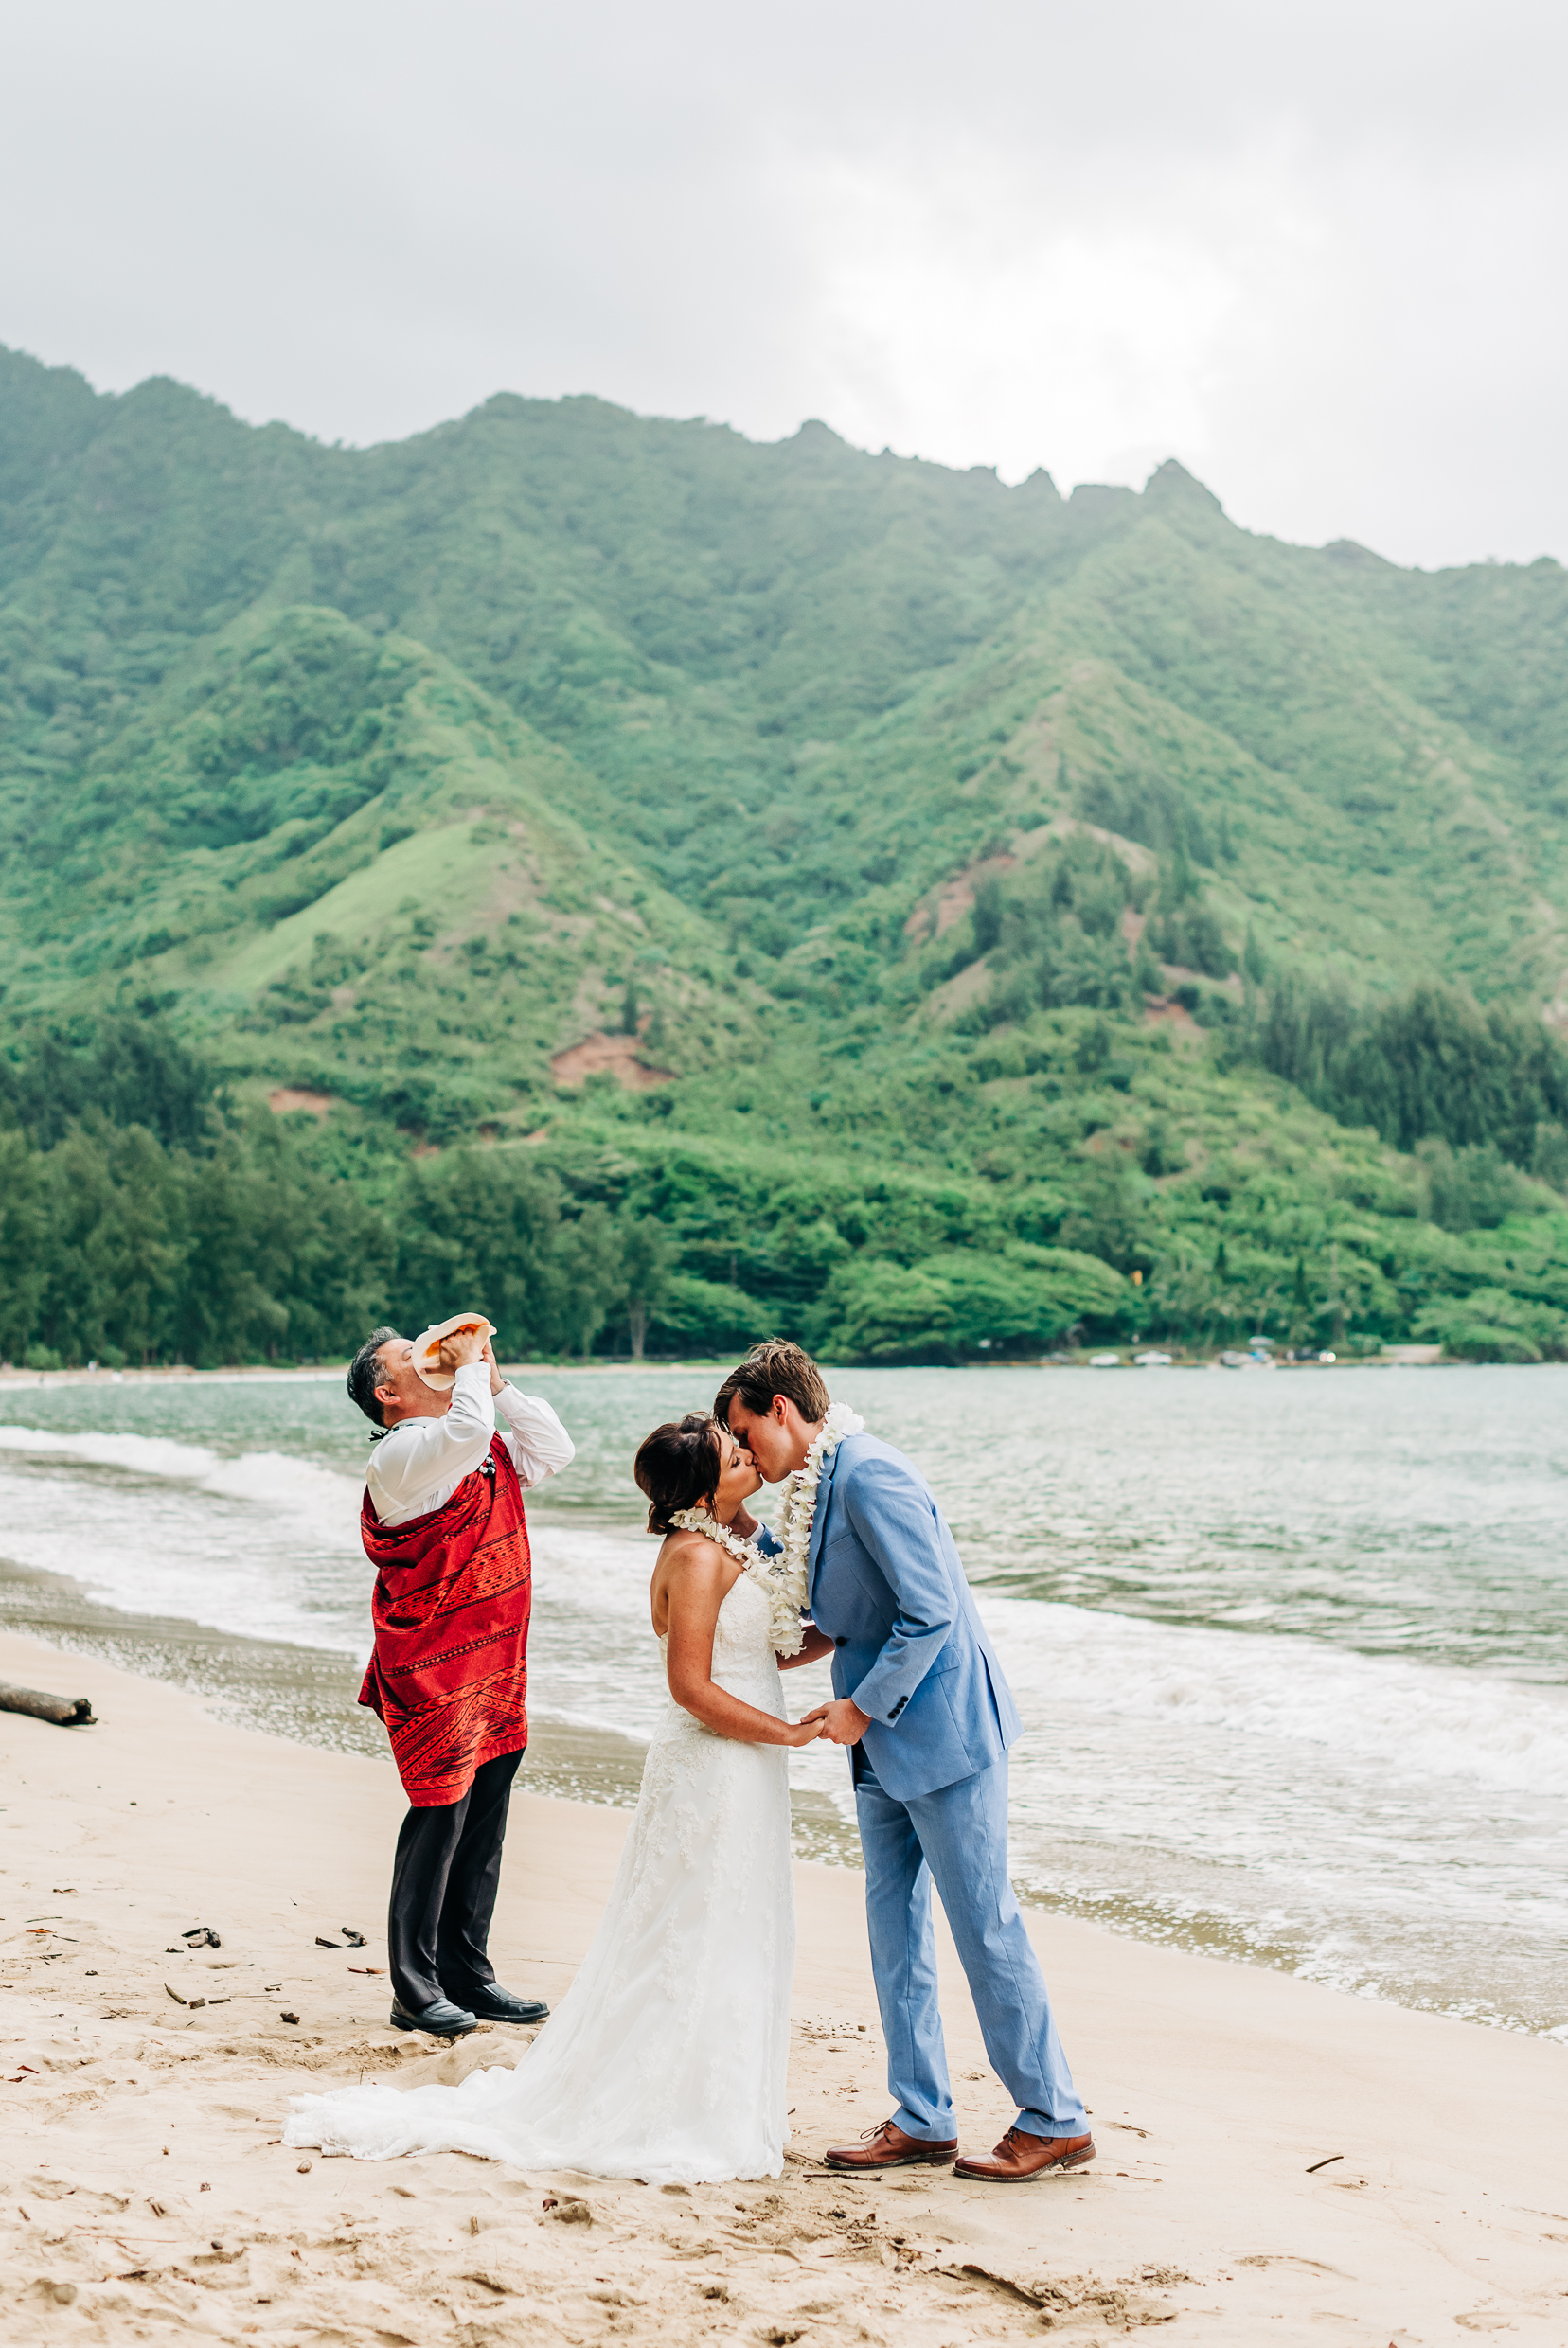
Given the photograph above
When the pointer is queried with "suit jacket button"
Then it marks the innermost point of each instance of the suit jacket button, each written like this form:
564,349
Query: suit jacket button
841,1641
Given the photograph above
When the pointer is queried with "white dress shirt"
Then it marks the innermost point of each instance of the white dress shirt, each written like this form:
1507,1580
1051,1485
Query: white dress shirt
418,1466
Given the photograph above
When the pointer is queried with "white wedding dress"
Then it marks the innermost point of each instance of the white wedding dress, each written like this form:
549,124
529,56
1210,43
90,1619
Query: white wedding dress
666,2058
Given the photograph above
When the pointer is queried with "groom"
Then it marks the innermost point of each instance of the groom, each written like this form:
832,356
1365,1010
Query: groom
921,1701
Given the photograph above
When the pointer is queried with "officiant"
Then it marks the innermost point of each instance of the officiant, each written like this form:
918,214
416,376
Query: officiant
442,1521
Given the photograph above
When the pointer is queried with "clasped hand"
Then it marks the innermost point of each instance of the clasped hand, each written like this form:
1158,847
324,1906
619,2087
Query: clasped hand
842,1722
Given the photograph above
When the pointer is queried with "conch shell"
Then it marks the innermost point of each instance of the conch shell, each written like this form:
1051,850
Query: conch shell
427,1346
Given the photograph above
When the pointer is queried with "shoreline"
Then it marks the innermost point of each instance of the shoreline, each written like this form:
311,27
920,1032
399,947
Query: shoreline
308,1695
1126,1690
13,1379
1272,2155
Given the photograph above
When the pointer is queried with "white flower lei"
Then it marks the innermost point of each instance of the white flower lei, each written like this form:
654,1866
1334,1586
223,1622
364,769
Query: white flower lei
800,1499
784,1631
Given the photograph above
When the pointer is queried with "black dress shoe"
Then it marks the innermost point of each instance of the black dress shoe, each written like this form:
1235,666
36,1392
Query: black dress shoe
441,2019
496,2004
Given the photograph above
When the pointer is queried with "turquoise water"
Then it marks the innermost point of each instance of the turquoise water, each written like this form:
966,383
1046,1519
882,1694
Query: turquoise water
1290,1647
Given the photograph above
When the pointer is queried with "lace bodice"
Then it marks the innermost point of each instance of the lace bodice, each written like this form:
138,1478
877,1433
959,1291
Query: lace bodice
744,1663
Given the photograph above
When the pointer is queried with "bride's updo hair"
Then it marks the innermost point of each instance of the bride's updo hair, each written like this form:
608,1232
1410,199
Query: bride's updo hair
677,1466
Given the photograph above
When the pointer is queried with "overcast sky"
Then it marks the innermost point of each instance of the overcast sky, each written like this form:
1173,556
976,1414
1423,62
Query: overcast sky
1317,252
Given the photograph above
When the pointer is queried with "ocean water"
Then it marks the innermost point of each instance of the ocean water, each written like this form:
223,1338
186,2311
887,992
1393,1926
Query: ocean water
1290,1647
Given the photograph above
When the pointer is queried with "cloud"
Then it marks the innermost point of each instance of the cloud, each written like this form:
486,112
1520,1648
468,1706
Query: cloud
1314,253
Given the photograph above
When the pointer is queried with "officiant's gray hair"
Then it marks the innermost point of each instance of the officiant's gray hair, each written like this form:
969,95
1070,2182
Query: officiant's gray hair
367,1371
777,1368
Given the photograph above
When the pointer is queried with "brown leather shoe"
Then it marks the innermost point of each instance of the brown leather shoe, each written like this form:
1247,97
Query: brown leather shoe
1021,2156
888,2148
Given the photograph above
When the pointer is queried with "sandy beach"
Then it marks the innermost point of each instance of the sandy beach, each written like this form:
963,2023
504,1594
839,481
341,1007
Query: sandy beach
146,2194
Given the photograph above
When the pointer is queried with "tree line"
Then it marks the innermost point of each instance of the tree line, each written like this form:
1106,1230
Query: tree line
116,1249
145,1218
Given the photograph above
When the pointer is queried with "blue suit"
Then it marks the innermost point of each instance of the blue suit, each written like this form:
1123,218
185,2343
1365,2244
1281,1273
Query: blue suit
886,1584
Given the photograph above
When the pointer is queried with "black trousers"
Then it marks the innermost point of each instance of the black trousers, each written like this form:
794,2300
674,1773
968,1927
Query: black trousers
444,1880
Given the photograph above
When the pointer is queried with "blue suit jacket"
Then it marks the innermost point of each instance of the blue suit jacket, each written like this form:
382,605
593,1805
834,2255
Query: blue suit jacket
886,1584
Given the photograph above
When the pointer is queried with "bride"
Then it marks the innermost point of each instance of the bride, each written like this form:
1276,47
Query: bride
666,2058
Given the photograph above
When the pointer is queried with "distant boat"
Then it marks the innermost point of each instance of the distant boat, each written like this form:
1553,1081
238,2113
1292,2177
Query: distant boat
1151,1361
1105,1361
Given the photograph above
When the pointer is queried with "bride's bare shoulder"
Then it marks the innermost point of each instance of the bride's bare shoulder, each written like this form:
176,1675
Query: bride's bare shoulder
690,1552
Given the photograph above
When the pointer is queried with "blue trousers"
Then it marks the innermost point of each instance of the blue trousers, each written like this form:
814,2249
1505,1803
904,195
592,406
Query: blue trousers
957,1838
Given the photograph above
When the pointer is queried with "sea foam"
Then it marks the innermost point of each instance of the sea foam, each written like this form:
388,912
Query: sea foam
1413,1718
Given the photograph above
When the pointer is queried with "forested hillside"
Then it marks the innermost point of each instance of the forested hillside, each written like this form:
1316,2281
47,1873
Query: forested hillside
671,889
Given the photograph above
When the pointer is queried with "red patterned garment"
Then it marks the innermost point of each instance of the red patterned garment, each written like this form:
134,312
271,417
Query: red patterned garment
449,1674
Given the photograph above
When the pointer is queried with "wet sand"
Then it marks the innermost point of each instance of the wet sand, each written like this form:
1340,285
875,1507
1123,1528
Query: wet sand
310,1694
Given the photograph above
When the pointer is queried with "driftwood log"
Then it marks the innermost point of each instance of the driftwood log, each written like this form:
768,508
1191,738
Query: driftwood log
67,1712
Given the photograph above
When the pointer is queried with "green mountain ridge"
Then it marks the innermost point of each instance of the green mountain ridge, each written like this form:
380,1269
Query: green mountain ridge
878,833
